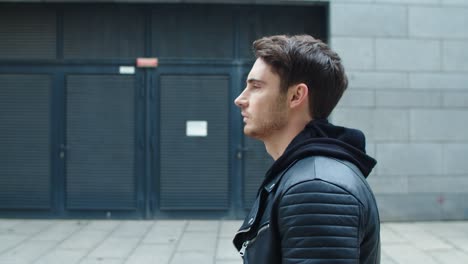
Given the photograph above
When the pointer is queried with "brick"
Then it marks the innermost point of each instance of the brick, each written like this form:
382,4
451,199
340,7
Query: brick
388,184
370,148
390,124
356,53
409,159
408,99
455,99
444,22
446,184
454,184
355,118
455,159
380,124
357,98
378,80
441,125
408,207
438,81
380,20
455,55
407,54
454,207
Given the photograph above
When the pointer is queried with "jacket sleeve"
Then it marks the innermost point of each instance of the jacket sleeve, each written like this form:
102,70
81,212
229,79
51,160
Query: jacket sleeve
319,223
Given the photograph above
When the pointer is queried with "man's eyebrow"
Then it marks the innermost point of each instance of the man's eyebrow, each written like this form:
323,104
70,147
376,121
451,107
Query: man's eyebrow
253,80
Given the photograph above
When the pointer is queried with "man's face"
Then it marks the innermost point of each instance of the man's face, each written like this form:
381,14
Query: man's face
263,106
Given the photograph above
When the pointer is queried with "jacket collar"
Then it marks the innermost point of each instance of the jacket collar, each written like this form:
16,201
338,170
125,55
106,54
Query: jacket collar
271,182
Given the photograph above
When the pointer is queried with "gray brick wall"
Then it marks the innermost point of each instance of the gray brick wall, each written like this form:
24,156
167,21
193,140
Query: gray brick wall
407,63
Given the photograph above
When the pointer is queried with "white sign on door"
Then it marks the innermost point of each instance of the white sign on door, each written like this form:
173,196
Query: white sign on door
196,128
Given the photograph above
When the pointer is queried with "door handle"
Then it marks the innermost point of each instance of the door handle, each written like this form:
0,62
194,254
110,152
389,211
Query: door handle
240,152
62,149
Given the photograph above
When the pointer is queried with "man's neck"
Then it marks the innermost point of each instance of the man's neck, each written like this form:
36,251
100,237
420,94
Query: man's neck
277,143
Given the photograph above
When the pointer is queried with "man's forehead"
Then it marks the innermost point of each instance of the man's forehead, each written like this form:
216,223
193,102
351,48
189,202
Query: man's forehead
260,72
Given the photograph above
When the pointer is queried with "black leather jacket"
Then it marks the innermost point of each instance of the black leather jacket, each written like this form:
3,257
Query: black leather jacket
317,210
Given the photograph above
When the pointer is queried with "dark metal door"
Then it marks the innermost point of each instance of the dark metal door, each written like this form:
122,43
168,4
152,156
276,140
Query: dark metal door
24,139
100,146
192,150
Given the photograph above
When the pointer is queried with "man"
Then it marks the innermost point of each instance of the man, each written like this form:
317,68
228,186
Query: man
314,205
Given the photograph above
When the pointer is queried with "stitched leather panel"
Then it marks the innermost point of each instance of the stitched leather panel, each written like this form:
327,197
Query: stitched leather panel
319,221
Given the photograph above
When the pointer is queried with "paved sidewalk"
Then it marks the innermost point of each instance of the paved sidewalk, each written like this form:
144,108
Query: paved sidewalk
196,242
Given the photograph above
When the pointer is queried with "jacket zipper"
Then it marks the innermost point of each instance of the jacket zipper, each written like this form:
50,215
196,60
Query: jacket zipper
246,243
243,248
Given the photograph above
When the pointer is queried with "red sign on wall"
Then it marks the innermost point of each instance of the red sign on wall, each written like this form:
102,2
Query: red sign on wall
147,62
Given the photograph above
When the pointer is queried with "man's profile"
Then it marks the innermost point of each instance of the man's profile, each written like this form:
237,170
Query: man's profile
314,205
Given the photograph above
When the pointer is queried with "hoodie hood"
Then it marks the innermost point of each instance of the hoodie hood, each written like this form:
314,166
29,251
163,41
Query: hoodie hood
321,138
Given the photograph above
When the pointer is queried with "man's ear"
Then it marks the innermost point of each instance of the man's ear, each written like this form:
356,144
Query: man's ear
298,95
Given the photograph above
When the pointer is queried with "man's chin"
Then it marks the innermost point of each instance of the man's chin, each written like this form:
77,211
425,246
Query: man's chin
251,133
247,131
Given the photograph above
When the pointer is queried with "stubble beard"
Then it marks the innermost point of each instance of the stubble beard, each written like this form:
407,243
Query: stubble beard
274,120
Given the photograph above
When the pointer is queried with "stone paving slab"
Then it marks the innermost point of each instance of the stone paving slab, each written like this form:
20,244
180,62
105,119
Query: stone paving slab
196,241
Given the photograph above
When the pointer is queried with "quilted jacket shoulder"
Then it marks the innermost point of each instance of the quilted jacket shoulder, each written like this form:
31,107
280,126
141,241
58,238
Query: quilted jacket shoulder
327,211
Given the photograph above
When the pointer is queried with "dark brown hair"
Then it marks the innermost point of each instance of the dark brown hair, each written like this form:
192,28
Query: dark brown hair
304,59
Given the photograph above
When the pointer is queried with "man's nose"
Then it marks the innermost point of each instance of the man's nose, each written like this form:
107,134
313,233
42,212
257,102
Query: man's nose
241,101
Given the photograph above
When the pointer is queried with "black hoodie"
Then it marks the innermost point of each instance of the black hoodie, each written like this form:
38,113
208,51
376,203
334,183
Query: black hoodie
321,138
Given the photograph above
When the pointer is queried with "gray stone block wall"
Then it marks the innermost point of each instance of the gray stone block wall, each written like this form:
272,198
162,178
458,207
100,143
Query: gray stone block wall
407,63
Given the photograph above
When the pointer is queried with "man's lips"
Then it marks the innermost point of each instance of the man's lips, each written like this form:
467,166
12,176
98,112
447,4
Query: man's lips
244,115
